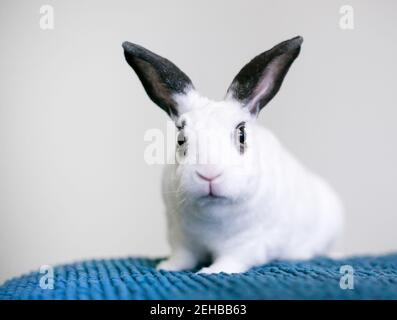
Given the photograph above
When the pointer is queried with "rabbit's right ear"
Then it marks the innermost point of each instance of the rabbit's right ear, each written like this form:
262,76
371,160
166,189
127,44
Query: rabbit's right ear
260,79
161,79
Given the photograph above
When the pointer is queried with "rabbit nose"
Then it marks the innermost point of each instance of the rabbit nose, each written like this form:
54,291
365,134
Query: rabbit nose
208,177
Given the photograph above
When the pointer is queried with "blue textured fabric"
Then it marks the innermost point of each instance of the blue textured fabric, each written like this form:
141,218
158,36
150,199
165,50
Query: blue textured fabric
136,278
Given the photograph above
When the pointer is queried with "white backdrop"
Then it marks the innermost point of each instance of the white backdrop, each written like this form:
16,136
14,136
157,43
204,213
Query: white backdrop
73,182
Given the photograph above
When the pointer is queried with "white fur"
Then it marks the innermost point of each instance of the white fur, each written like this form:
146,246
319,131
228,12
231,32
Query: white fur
272,207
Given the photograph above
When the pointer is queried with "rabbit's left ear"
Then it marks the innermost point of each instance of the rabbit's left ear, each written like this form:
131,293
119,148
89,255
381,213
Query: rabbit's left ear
260,79
161,79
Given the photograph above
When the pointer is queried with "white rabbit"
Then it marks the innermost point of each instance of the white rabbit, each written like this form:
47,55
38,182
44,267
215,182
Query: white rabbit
235,197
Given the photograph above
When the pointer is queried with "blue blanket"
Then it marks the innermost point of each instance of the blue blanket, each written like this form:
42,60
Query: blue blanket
136,278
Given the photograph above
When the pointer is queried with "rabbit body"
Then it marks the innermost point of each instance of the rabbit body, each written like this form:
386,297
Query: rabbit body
288,213
235,197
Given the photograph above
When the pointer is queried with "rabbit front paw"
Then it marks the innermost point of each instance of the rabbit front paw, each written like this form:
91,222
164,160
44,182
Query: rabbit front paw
177,262
226,267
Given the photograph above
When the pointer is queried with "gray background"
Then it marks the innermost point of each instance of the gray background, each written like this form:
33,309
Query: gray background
73,182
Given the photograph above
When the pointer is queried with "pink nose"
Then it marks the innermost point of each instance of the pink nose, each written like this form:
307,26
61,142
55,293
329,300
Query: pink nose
208,177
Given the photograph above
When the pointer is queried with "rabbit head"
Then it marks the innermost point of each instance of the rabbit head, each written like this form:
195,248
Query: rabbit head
216,149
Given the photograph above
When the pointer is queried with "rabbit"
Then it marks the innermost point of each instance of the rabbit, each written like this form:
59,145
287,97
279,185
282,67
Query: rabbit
235,198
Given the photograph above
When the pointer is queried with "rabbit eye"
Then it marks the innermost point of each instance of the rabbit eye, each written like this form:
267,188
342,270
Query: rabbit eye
181,143
241,137
181,138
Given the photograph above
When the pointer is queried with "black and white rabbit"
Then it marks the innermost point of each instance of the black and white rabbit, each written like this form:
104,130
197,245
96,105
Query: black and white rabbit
235,196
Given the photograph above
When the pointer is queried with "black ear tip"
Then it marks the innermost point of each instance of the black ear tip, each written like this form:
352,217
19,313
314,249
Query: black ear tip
299,39
133,48
296,42
128,46
290,45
